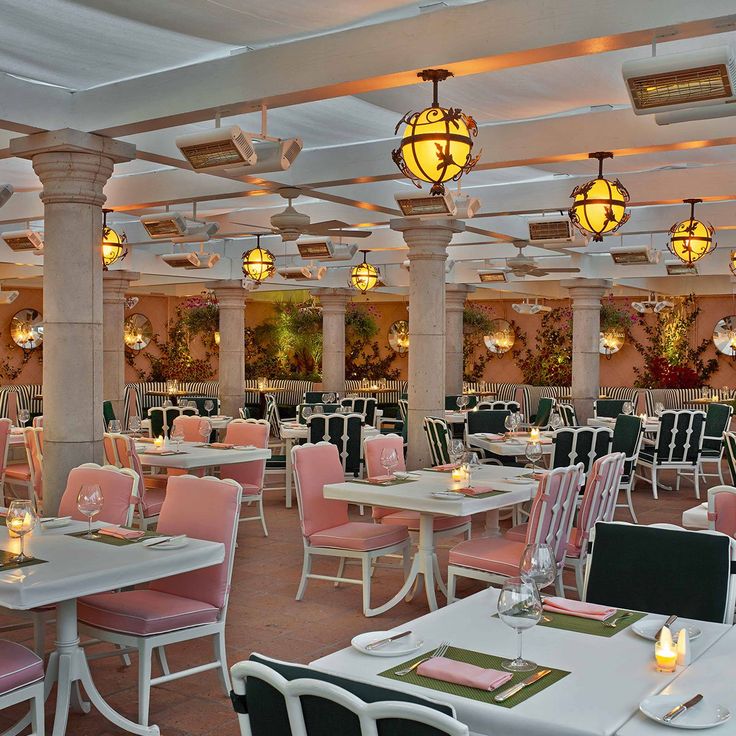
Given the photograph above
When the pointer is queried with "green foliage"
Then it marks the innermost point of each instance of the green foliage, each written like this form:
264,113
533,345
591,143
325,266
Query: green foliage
363,353
174,361
549,362
476,324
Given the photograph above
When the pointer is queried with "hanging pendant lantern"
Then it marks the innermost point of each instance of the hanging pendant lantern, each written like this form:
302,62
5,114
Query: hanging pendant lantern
113,244
364,276
691,239
438,142
259,263
599,206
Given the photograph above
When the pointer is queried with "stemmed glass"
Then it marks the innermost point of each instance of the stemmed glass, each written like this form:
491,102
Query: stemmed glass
471,464
318,409
328,398
115,426
134,425
628,407
519,607
209,405
20,520
204,432
177,437
23,416
89,503
462,401
659,408
389,460
556,421
533,454
509,422
306,413
456,449
538,565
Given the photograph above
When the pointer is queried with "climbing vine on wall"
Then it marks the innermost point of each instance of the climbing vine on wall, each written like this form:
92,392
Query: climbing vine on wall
363,357
476,324
549,361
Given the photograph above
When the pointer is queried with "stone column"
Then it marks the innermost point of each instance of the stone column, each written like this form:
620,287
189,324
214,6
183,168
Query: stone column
73,168
334,303
455,296
586,297
114,286
427,241
231,298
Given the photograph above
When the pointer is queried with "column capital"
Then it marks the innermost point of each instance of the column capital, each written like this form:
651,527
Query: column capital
230,294
334,300
427,239
586,293
68,140
456,295
116,283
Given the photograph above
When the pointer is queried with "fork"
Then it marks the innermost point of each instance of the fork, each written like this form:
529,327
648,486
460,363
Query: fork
439,652
613,624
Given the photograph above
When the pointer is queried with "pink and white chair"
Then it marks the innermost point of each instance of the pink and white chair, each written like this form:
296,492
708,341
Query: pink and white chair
120,451
722,510
493,559
33,439
18,474
191,427
37,421
250,475
178,608
326,528
5,427
21,680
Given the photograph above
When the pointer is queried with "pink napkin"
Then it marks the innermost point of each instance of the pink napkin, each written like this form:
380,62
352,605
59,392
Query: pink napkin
380,478
473,490
460,673
118,533
221,445
448,466
553,604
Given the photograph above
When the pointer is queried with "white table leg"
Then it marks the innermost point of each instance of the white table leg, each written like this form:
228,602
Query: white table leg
288,442
493,528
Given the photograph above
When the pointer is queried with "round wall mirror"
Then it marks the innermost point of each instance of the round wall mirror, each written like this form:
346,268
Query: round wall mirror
724,336
611,341
26,329
137,332
501,336
398,336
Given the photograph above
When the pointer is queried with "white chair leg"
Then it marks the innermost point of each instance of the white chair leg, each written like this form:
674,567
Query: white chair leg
720,471
677,479
37,715
696,483
559,587
306,569
579,578
124,656
630,503
450,586
221,657
340,571
263,516
161,654
654,481
144,682
366,574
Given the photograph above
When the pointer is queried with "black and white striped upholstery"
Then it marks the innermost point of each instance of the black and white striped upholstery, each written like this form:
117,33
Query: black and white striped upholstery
672,398
5,392
25,398
137,399
398,389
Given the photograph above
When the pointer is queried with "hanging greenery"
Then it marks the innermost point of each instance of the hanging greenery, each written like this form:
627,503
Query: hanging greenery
200,316
549,362
363,357
670,361
295,335
617,318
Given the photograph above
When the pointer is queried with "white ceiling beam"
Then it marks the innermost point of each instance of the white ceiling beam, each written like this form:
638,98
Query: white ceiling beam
519,32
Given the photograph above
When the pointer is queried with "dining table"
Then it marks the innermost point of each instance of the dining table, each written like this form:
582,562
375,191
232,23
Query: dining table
509,446
594,689
66,568
193,455
506,487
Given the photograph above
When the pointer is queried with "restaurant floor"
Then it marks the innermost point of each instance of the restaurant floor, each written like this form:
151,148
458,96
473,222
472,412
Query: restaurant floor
264,617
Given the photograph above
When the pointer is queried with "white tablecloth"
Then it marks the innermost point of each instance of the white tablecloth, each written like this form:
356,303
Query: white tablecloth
609,676
199,457
696,517
508,448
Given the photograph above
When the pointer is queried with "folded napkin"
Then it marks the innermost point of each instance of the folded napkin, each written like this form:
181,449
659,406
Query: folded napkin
380,478
16,430
221,446
473,490
119,533
461,673
448,466
554,604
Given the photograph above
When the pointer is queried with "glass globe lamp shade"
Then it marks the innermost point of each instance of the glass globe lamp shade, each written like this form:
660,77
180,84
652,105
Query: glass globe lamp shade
691,239
364,277
113,247
259,264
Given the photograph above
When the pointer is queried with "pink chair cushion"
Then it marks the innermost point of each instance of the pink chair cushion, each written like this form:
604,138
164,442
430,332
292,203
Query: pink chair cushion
249,490
315,467
18,666
359,535
251,473
575,543
18,471
517,533
153,501
144,612
117,490
203,508
724,505
410,519
492,554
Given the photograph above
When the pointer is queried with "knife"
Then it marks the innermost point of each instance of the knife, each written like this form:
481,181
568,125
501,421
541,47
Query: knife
381,642
666,625
511,691
680,709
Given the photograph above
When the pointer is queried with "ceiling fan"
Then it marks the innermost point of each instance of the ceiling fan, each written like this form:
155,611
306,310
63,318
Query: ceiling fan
291,224
521,265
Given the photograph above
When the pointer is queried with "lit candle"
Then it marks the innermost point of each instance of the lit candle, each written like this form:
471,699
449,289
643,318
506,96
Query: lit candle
457,475
683,648
18,525
665,652
158,442
534,434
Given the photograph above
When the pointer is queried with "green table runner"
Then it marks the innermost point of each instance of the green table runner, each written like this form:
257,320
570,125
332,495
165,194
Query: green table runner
114,541
489,661
8,563
587,625
393,482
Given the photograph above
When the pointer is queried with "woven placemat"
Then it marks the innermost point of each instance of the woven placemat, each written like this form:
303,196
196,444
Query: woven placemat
8,563
587,625
114,541
393,482
488,661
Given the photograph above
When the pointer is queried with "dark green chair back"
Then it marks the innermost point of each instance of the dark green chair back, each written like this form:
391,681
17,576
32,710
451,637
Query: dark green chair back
627,439
658,570
438,439
569,417
326,409
365,405
272,415
680,435
343,431
573,445
487,420
609,407
199,401
156,416
315,397
729,441
544,411
108,413
717,419
451,401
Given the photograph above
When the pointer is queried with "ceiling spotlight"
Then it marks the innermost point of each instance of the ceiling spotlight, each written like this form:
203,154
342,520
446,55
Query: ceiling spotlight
364,276
258,263
691,239
599,206
438,142
113,244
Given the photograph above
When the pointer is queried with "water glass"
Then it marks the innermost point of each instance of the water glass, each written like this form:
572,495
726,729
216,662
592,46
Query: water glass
177,437
318,409
89,503
209,405
306,412
462,401
519,607
389,460
204,432
534,453
538,565
20,520
23,416
659,408
628,407
328,398
457,450
134,424
509,422
115,426
556,421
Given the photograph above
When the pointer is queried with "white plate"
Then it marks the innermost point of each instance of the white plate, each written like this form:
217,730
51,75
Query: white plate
173,544
401,475
706,714
649,626
518,481
399,648
56,523
447,495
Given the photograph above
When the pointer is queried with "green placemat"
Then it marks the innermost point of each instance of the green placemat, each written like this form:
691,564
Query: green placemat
587,625
8,563
114,541
489,494
394,482
489,661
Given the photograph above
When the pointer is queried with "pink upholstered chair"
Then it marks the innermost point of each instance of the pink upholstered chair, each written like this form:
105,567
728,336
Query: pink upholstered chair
722,509
492,559
120,451
37,421
326,528
17,474
250,475
5,426
181,607
21,679
191,427
33,439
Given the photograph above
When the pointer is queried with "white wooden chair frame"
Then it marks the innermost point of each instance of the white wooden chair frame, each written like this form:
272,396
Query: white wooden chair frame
628,486
33,692
367,559
432,428
368,714
718,461
712,493
5,466
145,645
576,433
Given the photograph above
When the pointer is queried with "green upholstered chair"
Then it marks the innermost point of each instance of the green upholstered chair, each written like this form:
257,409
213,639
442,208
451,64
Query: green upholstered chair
162,419
108,413
342,430
489,421
438,439
365,405
569,417
717,420
277,461
544,412
662,569
627,437
316,397
573,445
610,408
200,401
326,409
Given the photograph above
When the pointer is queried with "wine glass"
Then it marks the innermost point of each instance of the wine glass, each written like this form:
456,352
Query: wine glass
518,420
509,422
457,449
389,460
204,432
209,405
318,409
519,607
328,398
538,565
115,426
306,412
23,416
462,401
533,453
556,421
472,464
628,407
89,503
659,408
20,520
177,436
134,424
168,403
